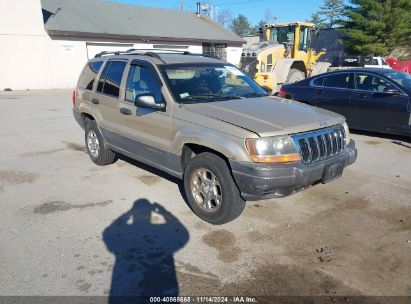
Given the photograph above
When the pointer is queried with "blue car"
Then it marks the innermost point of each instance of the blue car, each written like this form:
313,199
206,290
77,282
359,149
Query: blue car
371,99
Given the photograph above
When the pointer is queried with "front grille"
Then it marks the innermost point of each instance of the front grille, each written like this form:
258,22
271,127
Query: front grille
321,144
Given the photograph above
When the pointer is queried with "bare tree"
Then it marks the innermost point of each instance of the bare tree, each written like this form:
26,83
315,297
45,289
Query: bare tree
224,17
269,17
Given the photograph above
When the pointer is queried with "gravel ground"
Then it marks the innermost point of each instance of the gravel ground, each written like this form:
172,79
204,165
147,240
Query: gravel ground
69,227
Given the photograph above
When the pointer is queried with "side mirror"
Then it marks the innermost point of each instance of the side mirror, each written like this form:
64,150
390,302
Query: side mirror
148,101
393,92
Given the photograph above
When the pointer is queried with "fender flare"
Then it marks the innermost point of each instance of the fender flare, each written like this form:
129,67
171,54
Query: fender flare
282,68
217,141
320,67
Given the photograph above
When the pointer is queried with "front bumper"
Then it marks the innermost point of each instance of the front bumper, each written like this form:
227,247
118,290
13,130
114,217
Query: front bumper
264,181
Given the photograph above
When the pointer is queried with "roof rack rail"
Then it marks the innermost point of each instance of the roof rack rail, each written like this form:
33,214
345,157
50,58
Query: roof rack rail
142,51
107,53
152,53
206,55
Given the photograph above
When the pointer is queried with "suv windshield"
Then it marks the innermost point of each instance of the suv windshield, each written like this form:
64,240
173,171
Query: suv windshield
204,83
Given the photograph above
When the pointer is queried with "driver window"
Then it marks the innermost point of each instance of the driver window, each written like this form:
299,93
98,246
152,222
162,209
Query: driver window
142,81
372,83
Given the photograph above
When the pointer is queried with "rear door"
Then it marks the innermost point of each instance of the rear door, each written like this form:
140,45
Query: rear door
331,92
106,100
373,107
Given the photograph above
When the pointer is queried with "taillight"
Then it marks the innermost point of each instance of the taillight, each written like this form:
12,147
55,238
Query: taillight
282,92
74,97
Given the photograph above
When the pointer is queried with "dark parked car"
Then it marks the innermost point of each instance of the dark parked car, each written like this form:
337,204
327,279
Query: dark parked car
370,99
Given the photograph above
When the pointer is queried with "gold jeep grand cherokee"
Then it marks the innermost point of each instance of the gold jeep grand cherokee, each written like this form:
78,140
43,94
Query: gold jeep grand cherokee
202,120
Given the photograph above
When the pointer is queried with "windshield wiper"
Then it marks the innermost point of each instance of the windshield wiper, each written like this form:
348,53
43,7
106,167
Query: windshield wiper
211,97
220,97
254,94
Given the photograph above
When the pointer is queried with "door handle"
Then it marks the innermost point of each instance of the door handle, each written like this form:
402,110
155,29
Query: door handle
125,111
362,96
319,92
95,101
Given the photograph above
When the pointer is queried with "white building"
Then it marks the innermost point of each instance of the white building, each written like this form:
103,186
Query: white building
45,43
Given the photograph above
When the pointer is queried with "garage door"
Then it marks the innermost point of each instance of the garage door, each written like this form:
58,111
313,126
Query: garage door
95,48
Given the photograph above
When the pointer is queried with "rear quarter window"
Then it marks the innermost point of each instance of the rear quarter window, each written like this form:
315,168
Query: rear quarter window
88,75
341,81
318,82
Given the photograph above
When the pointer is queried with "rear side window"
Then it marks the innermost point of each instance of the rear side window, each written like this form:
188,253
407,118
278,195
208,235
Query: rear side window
341,81
110,79
318,82
88,75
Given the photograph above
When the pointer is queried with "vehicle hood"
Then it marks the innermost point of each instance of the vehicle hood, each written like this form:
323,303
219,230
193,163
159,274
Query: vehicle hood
268,116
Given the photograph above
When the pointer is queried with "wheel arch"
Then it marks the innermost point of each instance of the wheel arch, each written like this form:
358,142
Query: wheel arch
299,65
85,118
190,150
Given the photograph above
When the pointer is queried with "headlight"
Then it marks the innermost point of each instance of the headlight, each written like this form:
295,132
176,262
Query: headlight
272,150
347,134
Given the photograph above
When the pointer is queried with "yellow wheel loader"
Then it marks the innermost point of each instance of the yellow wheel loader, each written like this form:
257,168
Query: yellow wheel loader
283,55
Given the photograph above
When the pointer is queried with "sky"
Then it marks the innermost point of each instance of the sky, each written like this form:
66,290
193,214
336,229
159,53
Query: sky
254,10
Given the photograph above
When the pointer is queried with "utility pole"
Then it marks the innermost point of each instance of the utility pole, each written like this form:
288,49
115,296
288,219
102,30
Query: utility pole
181,5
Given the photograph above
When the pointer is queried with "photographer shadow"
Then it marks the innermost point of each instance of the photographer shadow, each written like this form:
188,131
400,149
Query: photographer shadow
143,241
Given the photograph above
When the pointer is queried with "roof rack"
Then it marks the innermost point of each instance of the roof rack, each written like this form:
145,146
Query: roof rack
152,53
142,51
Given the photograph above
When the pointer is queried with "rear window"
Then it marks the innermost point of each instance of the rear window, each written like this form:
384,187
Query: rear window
88,75
110,79
334,81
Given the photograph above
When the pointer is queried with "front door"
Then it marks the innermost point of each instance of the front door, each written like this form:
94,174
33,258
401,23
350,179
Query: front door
374,107
147,133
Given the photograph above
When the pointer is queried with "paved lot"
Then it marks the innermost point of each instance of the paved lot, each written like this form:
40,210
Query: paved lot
69,227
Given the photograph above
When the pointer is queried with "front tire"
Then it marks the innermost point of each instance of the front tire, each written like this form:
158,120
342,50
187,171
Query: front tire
96,147
210,189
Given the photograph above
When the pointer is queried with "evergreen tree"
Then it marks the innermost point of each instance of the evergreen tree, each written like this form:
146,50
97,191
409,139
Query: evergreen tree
256,29
241,26
331,13
376,27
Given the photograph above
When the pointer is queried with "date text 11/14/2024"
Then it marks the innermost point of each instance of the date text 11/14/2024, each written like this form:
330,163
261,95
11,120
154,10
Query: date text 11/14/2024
203,299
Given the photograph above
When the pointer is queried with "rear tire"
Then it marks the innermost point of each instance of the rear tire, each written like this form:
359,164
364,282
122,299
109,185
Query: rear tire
295,75
96,146
210,189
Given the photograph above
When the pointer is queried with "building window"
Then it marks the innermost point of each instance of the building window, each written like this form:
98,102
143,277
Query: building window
215,49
